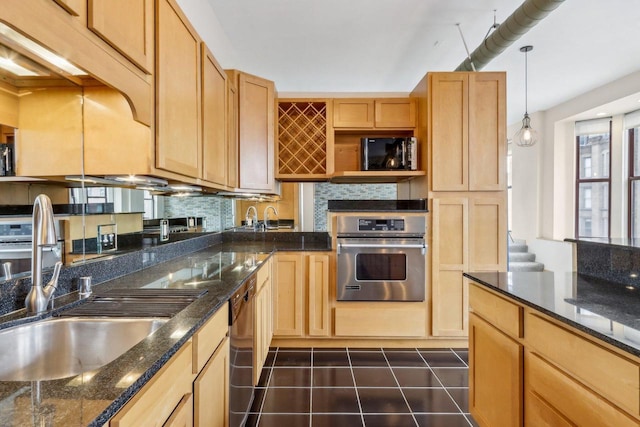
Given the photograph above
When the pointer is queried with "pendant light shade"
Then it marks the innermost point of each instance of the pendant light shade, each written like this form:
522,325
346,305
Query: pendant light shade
526,136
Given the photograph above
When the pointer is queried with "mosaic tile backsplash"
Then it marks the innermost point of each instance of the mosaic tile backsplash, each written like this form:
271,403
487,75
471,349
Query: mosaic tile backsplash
218,210
324,191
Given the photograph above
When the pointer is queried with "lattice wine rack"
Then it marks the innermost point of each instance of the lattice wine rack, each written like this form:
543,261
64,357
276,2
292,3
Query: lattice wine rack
302,139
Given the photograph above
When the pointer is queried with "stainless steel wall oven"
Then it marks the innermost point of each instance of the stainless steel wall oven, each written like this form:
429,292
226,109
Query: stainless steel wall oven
381,257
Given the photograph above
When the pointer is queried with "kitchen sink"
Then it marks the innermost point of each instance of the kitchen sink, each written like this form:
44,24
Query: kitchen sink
62,347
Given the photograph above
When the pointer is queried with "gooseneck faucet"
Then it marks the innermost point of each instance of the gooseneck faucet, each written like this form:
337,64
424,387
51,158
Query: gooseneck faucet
266,215
251,221
43,234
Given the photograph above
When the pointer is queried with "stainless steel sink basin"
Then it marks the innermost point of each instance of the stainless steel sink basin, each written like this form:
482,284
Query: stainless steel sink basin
60,348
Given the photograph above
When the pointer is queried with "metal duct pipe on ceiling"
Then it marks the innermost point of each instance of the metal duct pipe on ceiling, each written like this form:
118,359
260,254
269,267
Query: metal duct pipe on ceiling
525,17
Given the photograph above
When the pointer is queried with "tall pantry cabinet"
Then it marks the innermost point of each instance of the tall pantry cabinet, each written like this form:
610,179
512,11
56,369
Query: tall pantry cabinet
465,130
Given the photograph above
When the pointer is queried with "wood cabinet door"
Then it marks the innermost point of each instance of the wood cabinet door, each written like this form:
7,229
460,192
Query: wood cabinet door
127,26
211,390
495,375
178,130
450,256
288,295
232,133
73,7
488,231
214,116
353,113
155,402
319,279
49,140
395,113
182,415
487,132
256,136
448,131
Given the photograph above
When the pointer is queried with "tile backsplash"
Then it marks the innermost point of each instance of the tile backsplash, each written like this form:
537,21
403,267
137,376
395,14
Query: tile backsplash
218,210
324,191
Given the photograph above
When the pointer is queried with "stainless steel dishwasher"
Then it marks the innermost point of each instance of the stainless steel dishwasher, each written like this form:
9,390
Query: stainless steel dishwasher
241,315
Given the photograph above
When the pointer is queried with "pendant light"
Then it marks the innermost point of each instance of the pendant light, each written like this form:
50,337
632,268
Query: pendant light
526,136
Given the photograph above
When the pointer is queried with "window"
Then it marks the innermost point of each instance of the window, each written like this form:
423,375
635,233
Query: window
593,181
149,205
90,195
632,126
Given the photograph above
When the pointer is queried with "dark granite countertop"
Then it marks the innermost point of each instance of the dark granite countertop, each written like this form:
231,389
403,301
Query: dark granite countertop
93,399
605,310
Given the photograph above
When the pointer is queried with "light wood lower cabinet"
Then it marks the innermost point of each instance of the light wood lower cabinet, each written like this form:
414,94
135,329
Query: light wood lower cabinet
157,400
469,233
211,390
263,326
545,373
182,416
301,294
380,319
495,375
191,388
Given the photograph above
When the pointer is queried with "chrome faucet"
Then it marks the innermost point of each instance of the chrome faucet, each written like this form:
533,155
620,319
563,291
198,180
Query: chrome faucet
251,221
43,235
266,215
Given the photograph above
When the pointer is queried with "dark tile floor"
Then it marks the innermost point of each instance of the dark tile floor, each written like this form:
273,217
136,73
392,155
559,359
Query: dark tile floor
363,387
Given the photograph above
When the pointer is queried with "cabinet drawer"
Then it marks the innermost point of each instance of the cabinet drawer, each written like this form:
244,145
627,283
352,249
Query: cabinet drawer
563,395
367,320
614,377
206,340
501,313
155,402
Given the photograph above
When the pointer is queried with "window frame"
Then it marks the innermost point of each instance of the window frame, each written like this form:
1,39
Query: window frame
589,181
631,178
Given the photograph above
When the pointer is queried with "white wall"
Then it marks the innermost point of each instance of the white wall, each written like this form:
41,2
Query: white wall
206,23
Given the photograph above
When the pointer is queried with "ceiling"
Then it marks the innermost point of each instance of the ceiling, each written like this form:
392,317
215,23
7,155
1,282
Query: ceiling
311,46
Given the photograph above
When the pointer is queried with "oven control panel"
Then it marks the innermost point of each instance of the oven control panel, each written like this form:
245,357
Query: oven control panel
377,224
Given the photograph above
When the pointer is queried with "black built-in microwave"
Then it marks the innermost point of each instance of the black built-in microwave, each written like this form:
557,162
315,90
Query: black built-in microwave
388,153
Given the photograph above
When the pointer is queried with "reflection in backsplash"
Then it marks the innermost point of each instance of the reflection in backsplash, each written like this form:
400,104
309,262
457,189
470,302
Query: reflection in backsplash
324,191
217,210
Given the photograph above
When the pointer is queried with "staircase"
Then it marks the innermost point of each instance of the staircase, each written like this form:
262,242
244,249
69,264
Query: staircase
520,259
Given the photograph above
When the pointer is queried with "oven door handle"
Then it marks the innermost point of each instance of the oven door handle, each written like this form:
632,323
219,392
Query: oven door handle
421,246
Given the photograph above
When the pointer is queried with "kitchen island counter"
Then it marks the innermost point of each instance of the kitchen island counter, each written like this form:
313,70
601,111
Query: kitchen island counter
605,310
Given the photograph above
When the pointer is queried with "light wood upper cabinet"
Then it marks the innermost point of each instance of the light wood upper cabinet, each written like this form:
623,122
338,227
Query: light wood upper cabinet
232,133
391,113
73,7
395,113
256,132
178,92
50,123
354,113
469,234
127,26
214,125
467,131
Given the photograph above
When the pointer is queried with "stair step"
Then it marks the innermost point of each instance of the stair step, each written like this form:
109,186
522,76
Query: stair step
521,257
518,247
526,266
517,242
